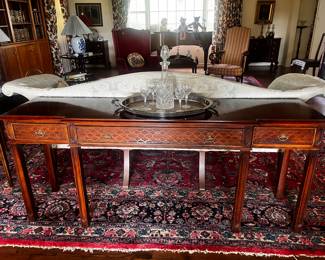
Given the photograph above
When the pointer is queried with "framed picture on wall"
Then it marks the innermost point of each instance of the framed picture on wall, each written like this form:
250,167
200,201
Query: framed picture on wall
90,13
264,12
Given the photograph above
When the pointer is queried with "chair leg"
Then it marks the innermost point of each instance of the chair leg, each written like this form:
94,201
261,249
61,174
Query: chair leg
314,71
241,78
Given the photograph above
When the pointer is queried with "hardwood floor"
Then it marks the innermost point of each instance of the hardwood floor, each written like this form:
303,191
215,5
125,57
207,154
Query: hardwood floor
261,74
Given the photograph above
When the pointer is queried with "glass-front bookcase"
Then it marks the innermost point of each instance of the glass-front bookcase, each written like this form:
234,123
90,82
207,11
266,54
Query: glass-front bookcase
22,20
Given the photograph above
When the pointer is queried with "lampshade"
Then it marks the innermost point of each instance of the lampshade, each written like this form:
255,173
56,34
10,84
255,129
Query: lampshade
75,27
3,37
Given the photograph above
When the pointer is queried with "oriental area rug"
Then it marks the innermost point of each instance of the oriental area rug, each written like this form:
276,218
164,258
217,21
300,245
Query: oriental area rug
163,209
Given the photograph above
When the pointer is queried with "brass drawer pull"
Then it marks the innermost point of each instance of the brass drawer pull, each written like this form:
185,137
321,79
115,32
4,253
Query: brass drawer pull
209,139
107,136
283,138
39,133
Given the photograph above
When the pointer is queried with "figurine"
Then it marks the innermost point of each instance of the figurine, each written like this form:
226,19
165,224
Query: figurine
182,29
196,24
163,25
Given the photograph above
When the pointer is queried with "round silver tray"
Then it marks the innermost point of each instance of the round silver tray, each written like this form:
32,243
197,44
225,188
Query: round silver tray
197,105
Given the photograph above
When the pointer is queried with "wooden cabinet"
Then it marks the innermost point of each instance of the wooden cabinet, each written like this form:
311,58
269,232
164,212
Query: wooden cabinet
28,52
264,50
25,59
10,63
30,59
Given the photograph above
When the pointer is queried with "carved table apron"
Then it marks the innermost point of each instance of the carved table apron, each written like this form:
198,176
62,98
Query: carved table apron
240,125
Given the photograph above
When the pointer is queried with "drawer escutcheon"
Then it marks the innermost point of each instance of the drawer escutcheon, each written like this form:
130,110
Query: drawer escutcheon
39,133
283,138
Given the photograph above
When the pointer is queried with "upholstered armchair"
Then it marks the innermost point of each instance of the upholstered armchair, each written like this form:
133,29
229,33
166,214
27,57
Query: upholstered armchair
233,57
131,41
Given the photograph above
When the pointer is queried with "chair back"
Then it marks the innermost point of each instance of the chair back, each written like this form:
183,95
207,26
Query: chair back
321,72
321,45
237,42
130,40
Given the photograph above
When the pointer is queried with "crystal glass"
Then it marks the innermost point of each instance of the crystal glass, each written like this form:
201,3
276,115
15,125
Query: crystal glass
187,92
179,94
144,91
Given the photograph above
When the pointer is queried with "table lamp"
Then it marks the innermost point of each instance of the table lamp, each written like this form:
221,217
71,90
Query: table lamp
3,37
76,29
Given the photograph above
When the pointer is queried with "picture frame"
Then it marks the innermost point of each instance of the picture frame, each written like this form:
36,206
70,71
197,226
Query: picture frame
264,12
92,12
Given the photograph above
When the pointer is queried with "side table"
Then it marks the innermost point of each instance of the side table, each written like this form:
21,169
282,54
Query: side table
81,60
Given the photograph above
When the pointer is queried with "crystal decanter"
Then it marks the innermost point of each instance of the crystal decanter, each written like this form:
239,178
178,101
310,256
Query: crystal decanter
165,91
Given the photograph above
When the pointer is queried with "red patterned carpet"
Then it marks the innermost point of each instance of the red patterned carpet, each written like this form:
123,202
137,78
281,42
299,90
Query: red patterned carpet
163,209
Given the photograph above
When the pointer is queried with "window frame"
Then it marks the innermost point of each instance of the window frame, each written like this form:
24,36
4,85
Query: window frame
147,13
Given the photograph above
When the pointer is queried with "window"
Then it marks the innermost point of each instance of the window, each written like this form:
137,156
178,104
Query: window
147,14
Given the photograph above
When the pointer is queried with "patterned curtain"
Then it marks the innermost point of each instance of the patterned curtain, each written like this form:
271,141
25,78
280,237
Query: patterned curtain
52,33
65,9
227,15
120,13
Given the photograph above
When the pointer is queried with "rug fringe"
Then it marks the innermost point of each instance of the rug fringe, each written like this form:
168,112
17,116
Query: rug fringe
190,251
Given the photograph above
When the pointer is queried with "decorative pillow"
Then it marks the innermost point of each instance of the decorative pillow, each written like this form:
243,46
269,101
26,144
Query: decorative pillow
135,60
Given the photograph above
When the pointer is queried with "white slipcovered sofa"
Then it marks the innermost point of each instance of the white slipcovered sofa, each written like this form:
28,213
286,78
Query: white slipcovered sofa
46,85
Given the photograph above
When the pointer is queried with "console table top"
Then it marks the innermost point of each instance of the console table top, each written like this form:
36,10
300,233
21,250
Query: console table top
229,110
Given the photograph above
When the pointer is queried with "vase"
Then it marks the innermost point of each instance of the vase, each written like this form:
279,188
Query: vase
78,44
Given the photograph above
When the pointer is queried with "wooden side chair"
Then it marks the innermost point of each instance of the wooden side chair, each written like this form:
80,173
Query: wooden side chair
233,57
305,64
4,159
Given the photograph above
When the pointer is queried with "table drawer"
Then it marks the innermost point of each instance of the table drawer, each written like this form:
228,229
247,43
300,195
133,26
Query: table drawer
41,132
160,136
270,136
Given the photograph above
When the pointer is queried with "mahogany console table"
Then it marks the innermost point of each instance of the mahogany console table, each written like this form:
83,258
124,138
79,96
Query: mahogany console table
241,124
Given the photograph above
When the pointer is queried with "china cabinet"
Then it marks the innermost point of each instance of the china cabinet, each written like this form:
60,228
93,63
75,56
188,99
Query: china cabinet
28,52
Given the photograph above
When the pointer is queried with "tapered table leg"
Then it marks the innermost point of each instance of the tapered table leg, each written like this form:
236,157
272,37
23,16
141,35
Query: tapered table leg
4,162
80,186
24,182
202,170
283,162
304,192
51,166
240,190
126,168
